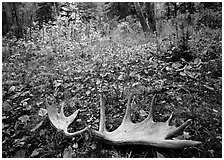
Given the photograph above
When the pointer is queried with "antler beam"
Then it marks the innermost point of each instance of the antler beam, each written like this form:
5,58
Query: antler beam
147,132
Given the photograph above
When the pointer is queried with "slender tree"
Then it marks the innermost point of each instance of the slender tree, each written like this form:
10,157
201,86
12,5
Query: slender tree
141,17
150,11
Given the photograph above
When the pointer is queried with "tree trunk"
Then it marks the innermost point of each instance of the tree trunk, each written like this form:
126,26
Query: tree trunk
19,29
176,25
7,18
151,15
141,17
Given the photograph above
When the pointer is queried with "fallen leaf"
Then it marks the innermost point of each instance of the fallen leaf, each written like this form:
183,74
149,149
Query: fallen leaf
24,119
75,145
11,89
24,104
176,65
143,113
191,74
121,77
67,152
42,132
39,103
37,126
28,107
98,82
159,155
211,151
93,146
10,82
186,135
35,152
168,68
178,98
16,95
89,120
25,93
132,74
182,74
57,83
25,100
196,61
42,112
136,84
6,106
79,120
86,136
88,92
20,142
208,87
20,154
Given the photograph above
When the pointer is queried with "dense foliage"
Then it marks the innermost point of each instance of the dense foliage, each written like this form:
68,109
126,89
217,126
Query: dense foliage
76,50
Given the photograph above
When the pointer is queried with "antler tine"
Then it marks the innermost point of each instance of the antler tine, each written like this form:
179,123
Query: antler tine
178,129
168,120
127,116
102,114
150,116
71,117
62,109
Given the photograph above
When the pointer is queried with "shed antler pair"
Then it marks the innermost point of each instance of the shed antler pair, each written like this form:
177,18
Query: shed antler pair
147,132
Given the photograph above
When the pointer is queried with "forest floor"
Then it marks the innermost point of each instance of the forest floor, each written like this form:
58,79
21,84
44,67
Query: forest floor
76,72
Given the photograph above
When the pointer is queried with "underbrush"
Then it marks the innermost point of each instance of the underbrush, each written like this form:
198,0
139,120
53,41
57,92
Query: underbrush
76,72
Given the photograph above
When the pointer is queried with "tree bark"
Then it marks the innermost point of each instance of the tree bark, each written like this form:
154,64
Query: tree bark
151,15
141,17
19,29
7,18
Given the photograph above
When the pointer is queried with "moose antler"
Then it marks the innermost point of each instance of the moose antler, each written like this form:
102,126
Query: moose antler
60,121
147,132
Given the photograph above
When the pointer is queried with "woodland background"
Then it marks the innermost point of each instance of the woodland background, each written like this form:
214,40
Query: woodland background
71,51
